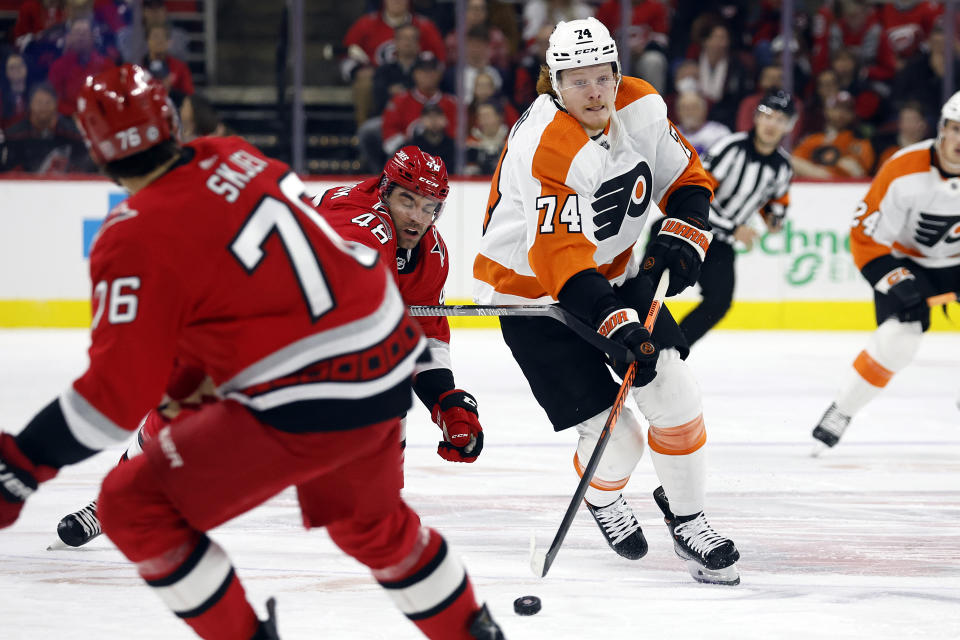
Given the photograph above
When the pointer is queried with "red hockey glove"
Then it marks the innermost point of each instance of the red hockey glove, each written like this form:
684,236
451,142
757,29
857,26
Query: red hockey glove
19,478
680,246
457,416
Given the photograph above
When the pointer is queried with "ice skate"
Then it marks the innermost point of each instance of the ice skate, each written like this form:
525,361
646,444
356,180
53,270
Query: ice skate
78,528
829,429
484,627
268,628
620,528
710,557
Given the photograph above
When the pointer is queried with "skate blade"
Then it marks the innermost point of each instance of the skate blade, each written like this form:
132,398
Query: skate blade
818,449
728,576
59,545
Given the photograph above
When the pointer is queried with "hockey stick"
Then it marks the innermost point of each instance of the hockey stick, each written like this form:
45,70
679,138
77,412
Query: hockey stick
540,562
943,298
614,349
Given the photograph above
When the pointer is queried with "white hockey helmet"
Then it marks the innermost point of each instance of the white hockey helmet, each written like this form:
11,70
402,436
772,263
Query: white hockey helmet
950,110
579,43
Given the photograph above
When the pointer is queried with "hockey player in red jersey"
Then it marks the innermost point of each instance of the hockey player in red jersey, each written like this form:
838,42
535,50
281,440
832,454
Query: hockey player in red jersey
904,243
218,253
395,213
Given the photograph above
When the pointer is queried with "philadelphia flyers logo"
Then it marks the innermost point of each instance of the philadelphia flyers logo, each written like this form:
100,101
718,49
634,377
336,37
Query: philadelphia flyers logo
647,348
625,195
932,228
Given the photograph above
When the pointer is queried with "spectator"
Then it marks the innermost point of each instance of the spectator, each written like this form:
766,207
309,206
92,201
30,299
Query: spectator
485,90
855,27
44,142
393,78
528,70
649,26
911,128
922,78
430,133
826,88
538,13
79,60
369,43
868,96
723,80
691,118
171,72
132,41
403,111
34,17
198,118
770,79
477,15
487,139
389,80
477,61
836,152
906,25
13,91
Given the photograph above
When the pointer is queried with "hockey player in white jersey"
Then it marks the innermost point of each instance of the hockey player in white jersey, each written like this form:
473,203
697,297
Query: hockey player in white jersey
582,169
905,242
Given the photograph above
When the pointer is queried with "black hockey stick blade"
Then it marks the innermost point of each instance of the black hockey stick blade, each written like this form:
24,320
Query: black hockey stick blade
614,349
540,562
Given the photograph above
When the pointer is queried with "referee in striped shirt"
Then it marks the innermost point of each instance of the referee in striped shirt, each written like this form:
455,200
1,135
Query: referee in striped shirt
751,175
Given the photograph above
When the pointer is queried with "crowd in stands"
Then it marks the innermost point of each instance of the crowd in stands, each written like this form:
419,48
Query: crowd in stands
51,49
867,75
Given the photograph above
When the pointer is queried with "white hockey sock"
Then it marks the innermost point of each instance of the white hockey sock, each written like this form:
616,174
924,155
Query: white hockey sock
891,348
683,478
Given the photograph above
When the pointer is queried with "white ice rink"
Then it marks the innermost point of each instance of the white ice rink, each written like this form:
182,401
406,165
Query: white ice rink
862,543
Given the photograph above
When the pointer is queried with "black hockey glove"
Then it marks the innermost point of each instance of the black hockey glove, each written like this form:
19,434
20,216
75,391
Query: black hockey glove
901,286
19,478
623,326
680,246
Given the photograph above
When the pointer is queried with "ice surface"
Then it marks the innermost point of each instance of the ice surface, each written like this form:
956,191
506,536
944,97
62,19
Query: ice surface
861,543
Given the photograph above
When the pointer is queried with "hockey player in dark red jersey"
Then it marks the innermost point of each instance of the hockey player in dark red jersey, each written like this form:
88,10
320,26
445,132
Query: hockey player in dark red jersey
219,254
393,213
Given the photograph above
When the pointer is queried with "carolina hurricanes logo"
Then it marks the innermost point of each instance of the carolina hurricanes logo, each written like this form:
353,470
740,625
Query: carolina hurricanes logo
438,247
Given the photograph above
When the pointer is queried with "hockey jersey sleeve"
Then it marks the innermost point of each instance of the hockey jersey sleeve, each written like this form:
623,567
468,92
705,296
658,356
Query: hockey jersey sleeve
137,306
880,217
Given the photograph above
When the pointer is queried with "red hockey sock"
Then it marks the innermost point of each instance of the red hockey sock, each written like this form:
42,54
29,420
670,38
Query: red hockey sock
432,588
202,588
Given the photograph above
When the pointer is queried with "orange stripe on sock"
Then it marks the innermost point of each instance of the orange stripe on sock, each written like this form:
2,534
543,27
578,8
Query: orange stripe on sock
597,483
871,370
678,441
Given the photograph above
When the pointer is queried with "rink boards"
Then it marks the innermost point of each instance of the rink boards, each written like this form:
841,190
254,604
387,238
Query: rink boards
802,278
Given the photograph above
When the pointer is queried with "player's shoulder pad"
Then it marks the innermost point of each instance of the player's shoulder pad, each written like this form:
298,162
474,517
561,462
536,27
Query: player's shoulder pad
915,158
562,139
636,96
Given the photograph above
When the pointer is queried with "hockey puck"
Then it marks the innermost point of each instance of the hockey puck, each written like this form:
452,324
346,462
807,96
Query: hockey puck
526,605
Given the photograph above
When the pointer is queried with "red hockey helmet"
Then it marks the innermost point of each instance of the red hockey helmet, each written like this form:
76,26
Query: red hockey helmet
123,111
417,171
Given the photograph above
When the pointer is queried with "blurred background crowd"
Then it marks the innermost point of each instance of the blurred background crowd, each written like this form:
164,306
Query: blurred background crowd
337,88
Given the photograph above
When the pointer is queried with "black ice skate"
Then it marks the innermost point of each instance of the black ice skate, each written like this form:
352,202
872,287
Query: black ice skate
710,557
80,527
484,627
830,428
620,528
268,628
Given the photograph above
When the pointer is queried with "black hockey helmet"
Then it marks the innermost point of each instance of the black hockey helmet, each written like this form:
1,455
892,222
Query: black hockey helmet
778,100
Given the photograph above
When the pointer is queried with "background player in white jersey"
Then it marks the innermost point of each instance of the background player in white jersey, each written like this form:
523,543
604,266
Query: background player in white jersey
906,243
218,253
750,175
581,171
